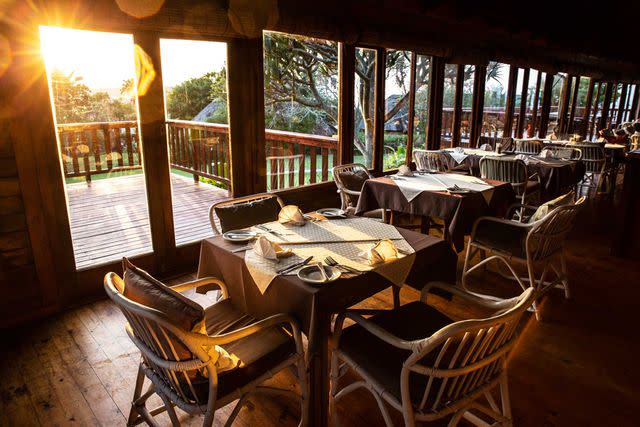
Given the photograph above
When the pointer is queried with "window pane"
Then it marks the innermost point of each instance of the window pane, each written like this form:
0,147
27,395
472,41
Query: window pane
495,96
448,104
195,89
364,106
397,82
421,115
556,89
533,103
467,102
301,109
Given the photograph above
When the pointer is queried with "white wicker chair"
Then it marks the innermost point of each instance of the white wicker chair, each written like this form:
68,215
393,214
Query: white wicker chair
436,160
598,168
538,244
349,196
215,221
528,146
173,379
427,366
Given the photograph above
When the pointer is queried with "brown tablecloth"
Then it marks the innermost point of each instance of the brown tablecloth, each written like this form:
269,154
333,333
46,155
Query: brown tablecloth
459,212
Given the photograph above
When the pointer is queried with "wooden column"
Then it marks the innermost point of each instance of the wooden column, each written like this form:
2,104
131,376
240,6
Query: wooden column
457,106
545,109
633,112
378,134
621,104
246,116
587,109
412,102
596,107
574,102
346,114
564,103
536,101
511,98
155,155
605,106
436,83
522,120
480,76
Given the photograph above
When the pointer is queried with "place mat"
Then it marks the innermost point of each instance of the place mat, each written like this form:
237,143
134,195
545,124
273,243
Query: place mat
411,187
342,239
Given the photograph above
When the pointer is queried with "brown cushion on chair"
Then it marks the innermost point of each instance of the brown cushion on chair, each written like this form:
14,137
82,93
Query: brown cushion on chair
354,180
242,215
384,361
545,208
532,186
506,238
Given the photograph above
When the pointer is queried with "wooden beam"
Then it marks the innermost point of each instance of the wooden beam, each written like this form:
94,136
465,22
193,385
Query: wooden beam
574,102
412,102
479,82
587,109
346,113
536,102
155,155
621,104
511,98
457,106
436,89
565,95
378,134
246,116
602,124
522,119
546,105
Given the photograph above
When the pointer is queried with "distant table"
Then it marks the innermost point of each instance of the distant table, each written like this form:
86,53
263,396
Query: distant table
459,211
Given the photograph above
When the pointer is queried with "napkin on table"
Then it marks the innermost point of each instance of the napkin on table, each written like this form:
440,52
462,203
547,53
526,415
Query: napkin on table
270,250
486,147
291,214
383,251
546,154
404,170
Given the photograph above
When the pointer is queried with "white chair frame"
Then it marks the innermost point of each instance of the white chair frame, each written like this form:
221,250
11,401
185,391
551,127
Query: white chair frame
479,363
213,219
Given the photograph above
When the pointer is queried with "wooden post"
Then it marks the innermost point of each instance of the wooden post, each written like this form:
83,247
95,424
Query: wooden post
587,109
412,111
378,134
574,102
346,114
511,98
457,106
621,104
436,83
478,103
546,105
536,100
602,124
564,103
522,119
155,155
246,116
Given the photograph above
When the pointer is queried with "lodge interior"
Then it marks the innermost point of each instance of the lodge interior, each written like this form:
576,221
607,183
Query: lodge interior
78,348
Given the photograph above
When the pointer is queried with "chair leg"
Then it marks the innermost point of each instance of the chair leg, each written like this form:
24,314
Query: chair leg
565,277
504,396
133,413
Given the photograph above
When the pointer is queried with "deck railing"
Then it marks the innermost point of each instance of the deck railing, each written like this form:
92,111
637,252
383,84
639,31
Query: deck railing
197,148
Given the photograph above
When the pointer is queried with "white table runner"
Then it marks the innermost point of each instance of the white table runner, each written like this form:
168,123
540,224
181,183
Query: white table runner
460,156
341,239
411,187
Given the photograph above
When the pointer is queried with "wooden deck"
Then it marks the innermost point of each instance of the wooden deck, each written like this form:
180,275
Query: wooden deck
110,219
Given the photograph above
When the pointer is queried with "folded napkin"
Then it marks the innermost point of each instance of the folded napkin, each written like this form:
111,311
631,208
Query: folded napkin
270,250
486,147
575,138
546,154
521,157
383,251
404,170
315,216
291,214
458,150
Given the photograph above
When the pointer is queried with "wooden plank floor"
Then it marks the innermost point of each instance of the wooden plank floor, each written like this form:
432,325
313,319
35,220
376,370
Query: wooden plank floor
577,367
109,217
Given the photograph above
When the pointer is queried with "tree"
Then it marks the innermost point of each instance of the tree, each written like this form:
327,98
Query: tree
70,96
190,97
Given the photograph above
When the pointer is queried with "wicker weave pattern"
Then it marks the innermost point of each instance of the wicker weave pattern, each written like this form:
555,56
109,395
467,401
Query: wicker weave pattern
213,218
349,198
430,160
505,142
528,146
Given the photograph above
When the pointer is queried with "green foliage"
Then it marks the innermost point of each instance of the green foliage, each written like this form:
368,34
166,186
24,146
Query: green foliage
394,158
187,99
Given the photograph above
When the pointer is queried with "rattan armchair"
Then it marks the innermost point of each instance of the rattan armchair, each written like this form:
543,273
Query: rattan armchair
539,244
350,191
598,168
513,171
506,142
436,160
259,218
423,364
528,146
194,384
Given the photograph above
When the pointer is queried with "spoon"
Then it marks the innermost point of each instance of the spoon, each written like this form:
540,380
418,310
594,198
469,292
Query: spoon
322,272
333,263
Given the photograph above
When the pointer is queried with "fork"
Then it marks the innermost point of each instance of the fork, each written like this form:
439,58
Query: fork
333,263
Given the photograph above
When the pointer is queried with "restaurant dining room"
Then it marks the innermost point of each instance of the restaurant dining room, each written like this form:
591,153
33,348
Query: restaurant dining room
281,213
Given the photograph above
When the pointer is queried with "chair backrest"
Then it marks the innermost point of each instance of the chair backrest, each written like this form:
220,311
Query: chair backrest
464,358
547,235
505,142
565,152
513,171
593,156
156,338
528,146
431,160
339,172
216,224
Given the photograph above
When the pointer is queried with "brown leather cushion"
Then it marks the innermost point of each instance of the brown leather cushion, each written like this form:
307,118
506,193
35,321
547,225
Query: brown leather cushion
383,361
258,353
354,180
508,238
242,215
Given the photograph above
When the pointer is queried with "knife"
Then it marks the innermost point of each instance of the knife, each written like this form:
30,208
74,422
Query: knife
268,230
294,266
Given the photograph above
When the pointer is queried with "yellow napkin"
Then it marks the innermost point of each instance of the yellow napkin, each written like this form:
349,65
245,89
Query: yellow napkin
270,250
291,214
315,216
381,252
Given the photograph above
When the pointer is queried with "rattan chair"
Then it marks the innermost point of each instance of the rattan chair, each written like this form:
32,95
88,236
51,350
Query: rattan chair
528,146
194,384
538,243
348,193
513,171
506,143
564,152
598,168
259,219
425,365
436,160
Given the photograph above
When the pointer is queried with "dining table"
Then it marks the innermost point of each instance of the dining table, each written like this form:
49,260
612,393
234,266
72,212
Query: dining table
434,195
255,288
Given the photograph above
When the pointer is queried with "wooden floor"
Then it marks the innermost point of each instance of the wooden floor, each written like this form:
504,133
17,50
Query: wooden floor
577,367
109,217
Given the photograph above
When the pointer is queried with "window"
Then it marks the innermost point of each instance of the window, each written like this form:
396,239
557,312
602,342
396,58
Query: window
467,103
195,90
534,102
396,98
448,104
556,93
301,109
421,108
364,106
495,99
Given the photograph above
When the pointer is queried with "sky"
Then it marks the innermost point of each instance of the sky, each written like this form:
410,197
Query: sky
105,60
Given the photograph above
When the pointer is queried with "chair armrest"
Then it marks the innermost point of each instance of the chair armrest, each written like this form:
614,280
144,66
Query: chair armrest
480,300
349,192
515,206
535,176
371,328
498,220
205,281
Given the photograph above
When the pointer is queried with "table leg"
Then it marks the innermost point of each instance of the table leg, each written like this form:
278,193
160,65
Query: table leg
318,366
